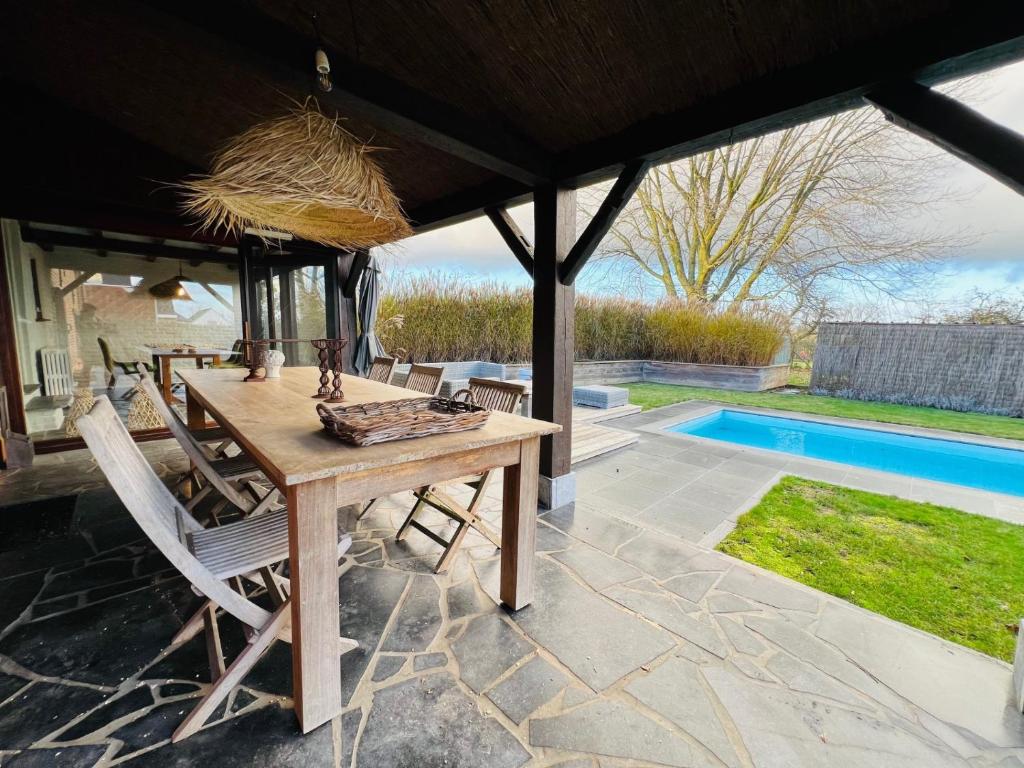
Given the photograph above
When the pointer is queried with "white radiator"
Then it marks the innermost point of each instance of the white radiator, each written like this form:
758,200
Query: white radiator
55,370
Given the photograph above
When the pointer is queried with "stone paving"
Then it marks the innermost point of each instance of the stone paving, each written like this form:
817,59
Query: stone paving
640,648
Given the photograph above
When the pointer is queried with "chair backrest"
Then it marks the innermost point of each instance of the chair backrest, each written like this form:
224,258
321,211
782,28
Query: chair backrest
154,507
424,378
496,395
382,369
193,449
108,356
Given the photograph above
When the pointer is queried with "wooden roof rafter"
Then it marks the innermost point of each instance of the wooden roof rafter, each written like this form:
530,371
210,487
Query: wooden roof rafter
285,57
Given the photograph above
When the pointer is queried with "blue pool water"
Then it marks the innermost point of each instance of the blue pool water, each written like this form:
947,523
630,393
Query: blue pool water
976,466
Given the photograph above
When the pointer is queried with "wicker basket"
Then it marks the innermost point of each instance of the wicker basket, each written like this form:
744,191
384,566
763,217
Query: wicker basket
402,419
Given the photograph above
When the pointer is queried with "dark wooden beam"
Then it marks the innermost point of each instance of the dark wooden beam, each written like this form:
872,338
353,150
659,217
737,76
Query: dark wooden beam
988,33
620,194
554,211
54,237
468,203
246,37
514,238
956,128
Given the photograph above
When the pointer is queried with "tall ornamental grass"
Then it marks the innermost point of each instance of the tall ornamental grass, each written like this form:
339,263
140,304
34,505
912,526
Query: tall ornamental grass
447,318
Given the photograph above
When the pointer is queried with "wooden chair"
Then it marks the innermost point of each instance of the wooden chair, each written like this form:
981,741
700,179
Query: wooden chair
494,395
382,369
113,366
425,379
208,558
231,477
422,378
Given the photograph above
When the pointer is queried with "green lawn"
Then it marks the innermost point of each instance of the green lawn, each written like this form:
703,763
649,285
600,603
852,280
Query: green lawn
956,575
654,395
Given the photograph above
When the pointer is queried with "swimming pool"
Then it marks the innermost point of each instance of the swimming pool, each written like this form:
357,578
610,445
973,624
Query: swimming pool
977,466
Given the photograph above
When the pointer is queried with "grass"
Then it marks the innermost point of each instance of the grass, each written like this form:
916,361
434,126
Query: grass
655,395
947,572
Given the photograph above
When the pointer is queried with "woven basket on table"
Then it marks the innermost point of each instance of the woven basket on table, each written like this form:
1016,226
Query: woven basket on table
371,423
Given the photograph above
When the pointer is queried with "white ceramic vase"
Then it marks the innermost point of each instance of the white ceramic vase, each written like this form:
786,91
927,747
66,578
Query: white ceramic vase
274,361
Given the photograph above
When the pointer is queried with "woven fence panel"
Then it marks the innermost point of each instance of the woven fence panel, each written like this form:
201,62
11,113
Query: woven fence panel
957,367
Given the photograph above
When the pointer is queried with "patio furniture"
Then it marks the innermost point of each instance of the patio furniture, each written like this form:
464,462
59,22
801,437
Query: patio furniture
425,379
279,428
234,360
112,366
499,396
456,375
600,396
421,378
208,558
212,470
382,369
162,358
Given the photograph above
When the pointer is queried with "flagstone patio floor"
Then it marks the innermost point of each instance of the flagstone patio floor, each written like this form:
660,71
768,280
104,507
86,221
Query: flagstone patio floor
641,647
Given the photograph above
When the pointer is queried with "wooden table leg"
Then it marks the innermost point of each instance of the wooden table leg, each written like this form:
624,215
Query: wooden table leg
165,380
313,572
215,361
195,413
519,526
199,362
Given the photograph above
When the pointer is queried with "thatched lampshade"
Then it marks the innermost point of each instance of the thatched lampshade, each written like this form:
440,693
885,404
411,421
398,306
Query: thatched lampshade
304,174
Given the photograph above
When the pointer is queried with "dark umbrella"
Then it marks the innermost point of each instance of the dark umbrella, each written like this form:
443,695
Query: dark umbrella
367,345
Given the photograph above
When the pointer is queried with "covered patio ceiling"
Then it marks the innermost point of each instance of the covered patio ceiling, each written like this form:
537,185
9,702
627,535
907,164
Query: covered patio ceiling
473,104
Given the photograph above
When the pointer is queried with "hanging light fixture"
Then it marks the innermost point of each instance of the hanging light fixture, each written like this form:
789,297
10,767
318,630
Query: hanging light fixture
171,288
303,174
321,62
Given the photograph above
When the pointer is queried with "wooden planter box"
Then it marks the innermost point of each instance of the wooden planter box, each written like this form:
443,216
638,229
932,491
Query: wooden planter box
738,377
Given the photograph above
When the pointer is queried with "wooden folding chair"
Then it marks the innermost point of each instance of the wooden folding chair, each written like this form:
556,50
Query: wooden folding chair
495,396
422,378
209,558
425,379
232,477
382,369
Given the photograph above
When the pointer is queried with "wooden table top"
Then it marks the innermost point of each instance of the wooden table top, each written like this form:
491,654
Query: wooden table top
276,422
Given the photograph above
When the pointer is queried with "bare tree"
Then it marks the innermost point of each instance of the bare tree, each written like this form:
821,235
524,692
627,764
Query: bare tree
783,218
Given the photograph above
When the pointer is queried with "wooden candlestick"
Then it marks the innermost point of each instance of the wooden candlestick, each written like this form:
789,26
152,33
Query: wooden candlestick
335,346
320,345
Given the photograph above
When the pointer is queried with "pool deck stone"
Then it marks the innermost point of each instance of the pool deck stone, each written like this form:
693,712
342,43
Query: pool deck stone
642,647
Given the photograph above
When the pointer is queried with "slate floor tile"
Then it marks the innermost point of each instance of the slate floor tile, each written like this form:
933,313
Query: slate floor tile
488,647
419,618
595,639
428,721
614,729
599,530
525,690
267,736
42,709
596,568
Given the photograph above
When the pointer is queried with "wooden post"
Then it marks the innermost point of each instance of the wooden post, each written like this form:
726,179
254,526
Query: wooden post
553,324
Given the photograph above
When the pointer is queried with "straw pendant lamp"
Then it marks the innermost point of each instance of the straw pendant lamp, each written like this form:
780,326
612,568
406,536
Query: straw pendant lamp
301,173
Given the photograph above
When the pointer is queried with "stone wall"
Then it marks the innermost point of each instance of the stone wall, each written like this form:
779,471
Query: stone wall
957,367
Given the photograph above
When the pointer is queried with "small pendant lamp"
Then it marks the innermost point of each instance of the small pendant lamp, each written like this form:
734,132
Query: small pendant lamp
172,288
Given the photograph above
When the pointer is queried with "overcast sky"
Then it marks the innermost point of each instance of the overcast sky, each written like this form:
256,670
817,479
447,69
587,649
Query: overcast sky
992,213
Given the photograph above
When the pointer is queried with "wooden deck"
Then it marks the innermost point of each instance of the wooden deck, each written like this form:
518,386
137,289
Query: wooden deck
583,415
590,440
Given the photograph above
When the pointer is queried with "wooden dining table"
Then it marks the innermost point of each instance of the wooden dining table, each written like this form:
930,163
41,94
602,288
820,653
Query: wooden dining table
163,357
276,423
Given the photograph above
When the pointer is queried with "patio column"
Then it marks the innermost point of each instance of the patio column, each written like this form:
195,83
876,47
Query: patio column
553,339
